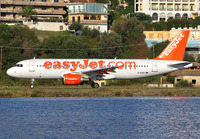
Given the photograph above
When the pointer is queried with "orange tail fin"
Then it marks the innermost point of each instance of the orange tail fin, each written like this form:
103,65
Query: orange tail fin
176,49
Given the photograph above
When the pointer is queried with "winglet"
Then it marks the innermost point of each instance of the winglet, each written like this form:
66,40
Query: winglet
176,49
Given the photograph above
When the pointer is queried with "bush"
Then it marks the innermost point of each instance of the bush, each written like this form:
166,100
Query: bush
170,78
121,82
118,93
66,19
128,94
183,83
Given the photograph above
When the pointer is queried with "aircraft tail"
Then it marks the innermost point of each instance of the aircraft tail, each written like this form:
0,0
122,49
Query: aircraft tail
176,48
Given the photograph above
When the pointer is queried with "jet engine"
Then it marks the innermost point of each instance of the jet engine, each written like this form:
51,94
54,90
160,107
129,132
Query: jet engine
73,79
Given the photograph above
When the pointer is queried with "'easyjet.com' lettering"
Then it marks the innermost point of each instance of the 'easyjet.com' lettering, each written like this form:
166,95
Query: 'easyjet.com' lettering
174,44
84,64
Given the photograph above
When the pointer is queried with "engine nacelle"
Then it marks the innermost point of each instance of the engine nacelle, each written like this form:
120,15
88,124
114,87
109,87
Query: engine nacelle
72,79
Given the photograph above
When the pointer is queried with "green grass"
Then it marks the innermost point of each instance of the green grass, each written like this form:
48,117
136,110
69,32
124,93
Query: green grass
106,91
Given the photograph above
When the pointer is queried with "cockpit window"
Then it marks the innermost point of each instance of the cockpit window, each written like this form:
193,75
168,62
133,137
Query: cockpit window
18,65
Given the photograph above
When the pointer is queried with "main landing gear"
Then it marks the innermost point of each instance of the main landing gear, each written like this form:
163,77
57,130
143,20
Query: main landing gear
95,85
32,83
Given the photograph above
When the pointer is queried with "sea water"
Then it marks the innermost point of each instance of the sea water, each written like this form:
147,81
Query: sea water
109,117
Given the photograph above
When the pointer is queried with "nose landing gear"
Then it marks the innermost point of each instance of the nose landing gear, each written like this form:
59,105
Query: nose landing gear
32,83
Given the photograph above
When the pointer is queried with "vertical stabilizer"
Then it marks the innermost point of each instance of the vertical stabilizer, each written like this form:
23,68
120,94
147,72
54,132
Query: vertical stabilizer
176,49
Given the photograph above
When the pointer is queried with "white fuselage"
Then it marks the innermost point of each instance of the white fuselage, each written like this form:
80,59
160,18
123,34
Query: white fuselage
127,68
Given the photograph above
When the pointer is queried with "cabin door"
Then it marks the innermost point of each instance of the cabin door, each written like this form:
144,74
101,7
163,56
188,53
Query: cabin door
32,66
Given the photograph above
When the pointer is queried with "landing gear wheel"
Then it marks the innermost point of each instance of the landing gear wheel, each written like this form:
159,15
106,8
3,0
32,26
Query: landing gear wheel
32,86
95,85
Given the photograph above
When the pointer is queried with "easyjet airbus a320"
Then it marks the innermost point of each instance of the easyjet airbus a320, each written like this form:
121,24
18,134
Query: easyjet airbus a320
77,71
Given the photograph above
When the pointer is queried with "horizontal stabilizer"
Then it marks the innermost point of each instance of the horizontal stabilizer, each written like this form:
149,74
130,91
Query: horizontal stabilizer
180,65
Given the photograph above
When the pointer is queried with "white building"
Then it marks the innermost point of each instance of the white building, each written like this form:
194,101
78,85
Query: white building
165,9
93,15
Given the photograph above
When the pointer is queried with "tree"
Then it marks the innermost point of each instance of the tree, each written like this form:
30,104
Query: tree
111,43
6,34
188,57
75,26
27,12
73,46
196,21
93,33
130,30
102,1
27,38
159,26
198,59
21,37
112,17
158,48
143,17
114,3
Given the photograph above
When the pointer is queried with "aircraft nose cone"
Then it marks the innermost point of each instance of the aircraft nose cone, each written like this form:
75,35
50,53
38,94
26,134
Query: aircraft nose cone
9,72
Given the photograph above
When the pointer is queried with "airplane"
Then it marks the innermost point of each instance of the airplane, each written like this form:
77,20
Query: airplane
77,71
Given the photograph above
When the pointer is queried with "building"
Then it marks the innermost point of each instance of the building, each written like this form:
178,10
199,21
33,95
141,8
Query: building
166,9
193,45
93,15
45,9
191,75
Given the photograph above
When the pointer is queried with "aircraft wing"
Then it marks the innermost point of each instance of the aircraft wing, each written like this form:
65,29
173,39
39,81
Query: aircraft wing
101,72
